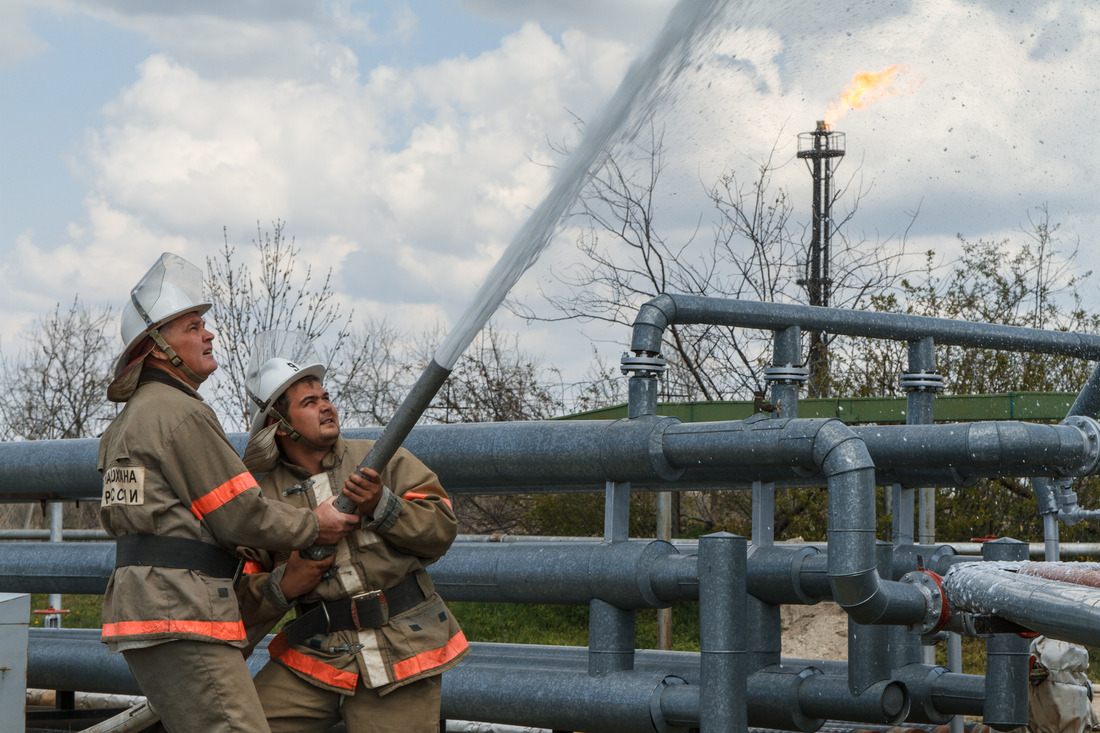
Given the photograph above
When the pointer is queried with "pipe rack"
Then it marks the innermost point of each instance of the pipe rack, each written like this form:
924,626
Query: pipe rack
738,678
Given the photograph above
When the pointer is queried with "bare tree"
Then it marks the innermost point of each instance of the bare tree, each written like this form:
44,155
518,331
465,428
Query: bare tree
756,252
375,380
1027,281
57,386
277,294
495,381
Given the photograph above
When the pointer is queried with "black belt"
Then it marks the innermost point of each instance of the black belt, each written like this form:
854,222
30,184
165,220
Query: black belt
176,552
364,611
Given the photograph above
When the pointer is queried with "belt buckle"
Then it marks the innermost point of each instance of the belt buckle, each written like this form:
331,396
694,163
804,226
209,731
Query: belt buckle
383,607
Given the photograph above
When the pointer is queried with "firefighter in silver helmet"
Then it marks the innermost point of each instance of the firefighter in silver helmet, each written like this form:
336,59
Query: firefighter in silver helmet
178,500
370,642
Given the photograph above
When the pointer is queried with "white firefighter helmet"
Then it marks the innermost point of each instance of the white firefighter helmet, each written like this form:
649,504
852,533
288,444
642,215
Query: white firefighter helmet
279,359
171,287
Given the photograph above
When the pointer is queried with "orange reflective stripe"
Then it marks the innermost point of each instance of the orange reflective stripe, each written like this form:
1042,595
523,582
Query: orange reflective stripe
251,567
317,670
223,630
410,496
430,659
206,504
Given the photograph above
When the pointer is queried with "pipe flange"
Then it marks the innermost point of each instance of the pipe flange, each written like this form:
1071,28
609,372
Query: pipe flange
786,374
922,382
1091,430
657,716
936,610
800,719
643,364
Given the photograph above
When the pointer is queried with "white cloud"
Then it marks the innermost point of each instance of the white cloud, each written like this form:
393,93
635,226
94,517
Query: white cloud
275,39
17,41
411,180
420,174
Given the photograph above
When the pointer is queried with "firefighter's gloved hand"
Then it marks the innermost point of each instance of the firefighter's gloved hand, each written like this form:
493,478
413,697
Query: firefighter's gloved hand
364,487
335,525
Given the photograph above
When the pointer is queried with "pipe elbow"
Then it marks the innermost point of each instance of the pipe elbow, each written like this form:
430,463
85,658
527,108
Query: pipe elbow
838,450
649,325
868,599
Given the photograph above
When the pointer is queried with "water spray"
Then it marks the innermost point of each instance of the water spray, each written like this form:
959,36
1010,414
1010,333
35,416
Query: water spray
687,21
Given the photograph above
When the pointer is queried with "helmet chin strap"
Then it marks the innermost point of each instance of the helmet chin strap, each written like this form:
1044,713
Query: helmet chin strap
293,434
173,358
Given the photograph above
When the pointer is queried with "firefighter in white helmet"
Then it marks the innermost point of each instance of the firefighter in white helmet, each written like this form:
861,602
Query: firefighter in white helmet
178,500
370,642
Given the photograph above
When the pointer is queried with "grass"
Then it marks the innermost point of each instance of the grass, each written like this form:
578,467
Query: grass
514,623
84,611
507,623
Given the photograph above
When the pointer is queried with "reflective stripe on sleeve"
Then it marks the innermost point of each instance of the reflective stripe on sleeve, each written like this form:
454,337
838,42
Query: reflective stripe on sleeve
205,504
221,630
410,496
318,670
251,567
430,659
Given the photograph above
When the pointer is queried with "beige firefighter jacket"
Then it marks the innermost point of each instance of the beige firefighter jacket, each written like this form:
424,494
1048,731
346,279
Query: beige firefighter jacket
168,469
413,526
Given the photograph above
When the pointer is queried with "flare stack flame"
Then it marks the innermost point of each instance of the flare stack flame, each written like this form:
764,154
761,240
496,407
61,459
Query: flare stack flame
865,87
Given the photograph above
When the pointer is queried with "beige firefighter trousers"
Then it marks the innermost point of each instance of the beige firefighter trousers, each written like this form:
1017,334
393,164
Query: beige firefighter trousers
293,705
198,686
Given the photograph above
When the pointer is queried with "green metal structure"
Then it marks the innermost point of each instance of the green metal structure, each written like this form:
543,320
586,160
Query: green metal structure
1030,406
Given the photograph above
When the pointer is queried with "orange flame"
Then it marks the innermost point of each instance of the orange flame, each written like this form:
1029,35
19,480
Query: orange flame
865,87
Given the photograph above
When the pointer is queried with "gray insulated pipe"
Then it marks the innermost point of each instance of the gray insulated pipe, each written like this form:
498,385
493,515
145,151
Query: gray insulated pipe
831,447
1053,608
853,565
667,309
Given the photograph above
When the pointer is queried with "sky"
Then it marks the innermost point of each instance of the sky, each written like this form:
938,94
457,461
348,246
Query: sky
405,143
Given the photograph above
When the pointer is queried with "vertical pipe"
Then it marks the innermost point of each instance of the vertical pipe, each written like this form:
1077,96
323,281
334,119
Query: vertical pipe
616,511
642,401
664,533
787,352
955,664
868,645
641,396
53,620
611,629
920,403
1046,501
763,627
610,638
905,648
1006,655
920,410
763,514
763,633
1050,538
723,673
901,518
927,532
